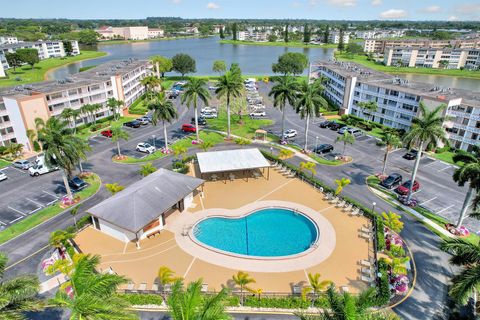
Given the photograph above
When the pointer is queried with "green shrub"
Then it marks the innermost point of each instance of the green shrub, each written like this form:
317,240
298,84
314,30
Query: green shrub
142,299
277,302
84,221
444,149
380,234
383,290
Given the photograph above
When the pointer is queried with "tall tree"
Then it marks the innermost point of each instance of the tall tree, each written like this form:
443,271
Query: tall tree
61,147
219,66
391,141
183,64
68,48
190,304
468,172
341,43
284,91
316,286
68,114
163,111
162,65
369,108
306,34
151,83
345,138
326,35
17,295
13,60
425,130
114,106
290,63
119,134
229,86
93,293
29,56
235,32
242,279
195,91
285,37
222,34
309,103
341,183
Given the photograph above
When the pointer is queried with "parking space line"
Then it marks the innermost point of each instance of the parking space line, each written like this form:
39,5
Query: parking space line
18,211
33,211
428,201
430,164
447,167
15,220
53,195
38,204
445,209
3,223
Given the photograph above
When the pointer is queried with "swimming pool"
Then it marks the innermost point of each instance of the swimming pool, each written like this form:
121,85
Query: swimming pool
270,232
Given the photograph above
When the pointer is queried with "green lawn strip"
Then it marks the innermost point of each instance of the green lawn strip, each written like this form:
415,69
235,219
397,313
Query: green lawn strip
446,156
295,44
213,137
373,182
245,129
138,107
4,163
86,133
362,59
320,160
48,212
37,74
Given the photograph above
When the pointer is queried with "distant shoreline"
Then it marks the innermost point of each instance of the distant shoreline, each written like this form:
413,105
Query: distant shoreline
279,44
113,42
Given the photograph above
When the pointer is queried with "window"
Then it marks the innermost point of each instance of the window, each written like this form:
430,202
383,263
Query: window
465,121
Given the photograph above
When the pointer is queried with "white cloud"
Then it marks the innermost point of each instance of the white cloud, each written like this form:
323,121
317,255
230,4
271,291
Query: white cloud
452,18
377,2
468,11
343,3
432,9
213,6
176,1
394,14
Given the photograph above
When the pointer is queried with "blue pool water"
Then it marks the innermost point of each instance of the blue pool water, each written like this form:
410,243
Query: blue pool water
272,232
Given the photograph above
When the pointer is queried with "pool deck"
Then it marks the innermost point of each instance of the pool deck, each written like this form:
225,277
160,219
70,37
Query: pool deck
338,262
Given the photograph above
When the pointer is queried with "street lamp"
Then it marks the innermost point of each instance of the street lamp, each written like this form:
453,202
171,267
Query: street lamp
271,151
316,142
373,208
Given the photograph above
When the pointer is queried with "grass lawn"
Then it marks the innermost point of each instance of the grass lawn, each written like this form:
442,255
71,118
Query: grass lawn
48,212
246,129
85,133
4,163
295,44
213,137
362,59
29,75
446,156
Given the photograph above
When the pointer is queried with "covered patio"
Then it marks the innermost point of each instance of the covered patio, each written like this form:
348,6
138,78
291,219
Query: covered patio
230,164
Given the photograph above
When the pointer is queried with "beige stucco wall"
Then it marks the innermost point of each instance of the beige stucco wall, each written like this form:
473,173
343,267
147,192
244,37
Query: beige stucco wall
32,107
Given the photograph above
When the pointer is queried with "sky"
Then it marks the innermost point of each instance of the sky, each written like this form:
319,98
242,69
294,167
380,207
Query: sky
276,9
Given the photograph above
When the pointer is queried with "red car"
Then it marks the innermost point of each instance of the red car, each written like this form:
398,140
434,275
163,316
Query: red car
403,189
189,128
106,133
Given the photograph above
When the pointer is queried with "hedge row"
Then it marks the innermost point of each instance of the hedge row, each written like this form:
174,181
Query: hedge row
383,295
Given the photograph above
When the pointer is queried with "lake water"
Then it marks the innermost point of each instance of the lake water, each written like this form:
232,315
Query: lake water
253,60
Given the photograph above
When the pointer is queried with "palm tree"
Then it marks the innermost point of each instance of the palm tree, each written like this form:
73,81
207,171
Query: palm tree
309,103
147,169
346,138
61,148
308,166
285,90
465,254
426,130
206,145
68,115
85,111
17,295
164,111
59,239
93,294
341,183
316,286
196,90
391,220
151,82
391,142
230,86
468,172
74,213
119,134
114,105
166,276
370,107
242,279
190,304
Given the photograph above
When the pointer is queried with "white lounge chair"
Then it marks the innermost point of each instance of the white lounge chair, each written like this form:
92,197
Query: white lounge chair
348,208
204,287
367,271
340,204
365,236
367,279
334,200
365,230
365,263
355,212
327,196
344,289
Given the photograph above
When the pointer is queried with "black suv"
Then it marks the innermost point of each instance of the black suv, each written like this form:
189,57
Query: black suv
411,155
323,148
201,121
77,184
132,124
392,181
335,126
325,124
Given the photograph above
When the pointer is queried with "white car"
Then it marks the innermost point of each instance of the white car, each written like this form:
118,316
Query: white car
290,133
3,176
145,147
257,114
208,110
209,115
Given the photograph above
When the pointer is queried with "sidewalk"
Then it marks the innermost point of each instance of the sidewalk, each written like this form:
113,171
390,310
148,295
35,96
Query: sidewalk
52,283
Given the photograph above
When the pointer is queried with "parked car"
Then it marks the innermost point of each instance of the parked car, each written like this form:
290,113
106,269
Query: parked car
106,133
3,176
392,181
403,189
201,121
173,94
40,167
77,184
325,124
355,132
342,130
208,109
411,155
323,148
22,164
257,114
290,133
209,115
132,124
212,88
188,128
335,126
145,147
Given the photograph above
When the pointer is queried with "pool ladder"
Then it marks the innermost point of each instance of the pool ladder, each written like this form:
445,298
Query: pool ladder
196,231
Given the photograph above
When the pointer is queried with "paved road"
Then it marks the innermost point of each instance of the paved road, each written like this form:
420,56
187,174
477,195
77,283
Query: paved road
433,269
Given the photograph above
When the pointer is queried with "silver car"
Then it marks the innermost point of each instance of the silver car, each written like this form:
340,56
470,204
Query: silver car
22,164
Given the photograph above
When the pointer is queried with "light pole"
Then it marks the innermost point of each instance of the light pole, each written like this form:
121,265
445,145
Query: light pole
316,142
271,151
373,207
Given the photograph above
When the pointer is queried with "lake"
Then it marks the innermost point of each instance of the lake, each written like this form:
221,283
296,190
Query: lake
253,60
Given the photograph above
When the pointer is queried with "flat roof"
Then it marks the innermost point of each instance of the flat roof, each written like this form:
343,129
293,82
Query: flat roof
231,160
145,200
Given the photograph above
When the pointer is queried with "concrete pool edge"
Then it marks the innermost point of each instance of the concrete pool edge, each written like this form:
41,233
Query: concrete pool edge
325,244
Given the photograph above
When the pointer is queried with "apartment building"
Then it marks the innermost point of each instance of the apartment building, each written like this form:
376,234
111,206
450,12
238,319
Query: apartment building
129,33
8,40
21,105
46,49
259,36
448,58
2,70
334,37
379,34
348,84
379,45
155,33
